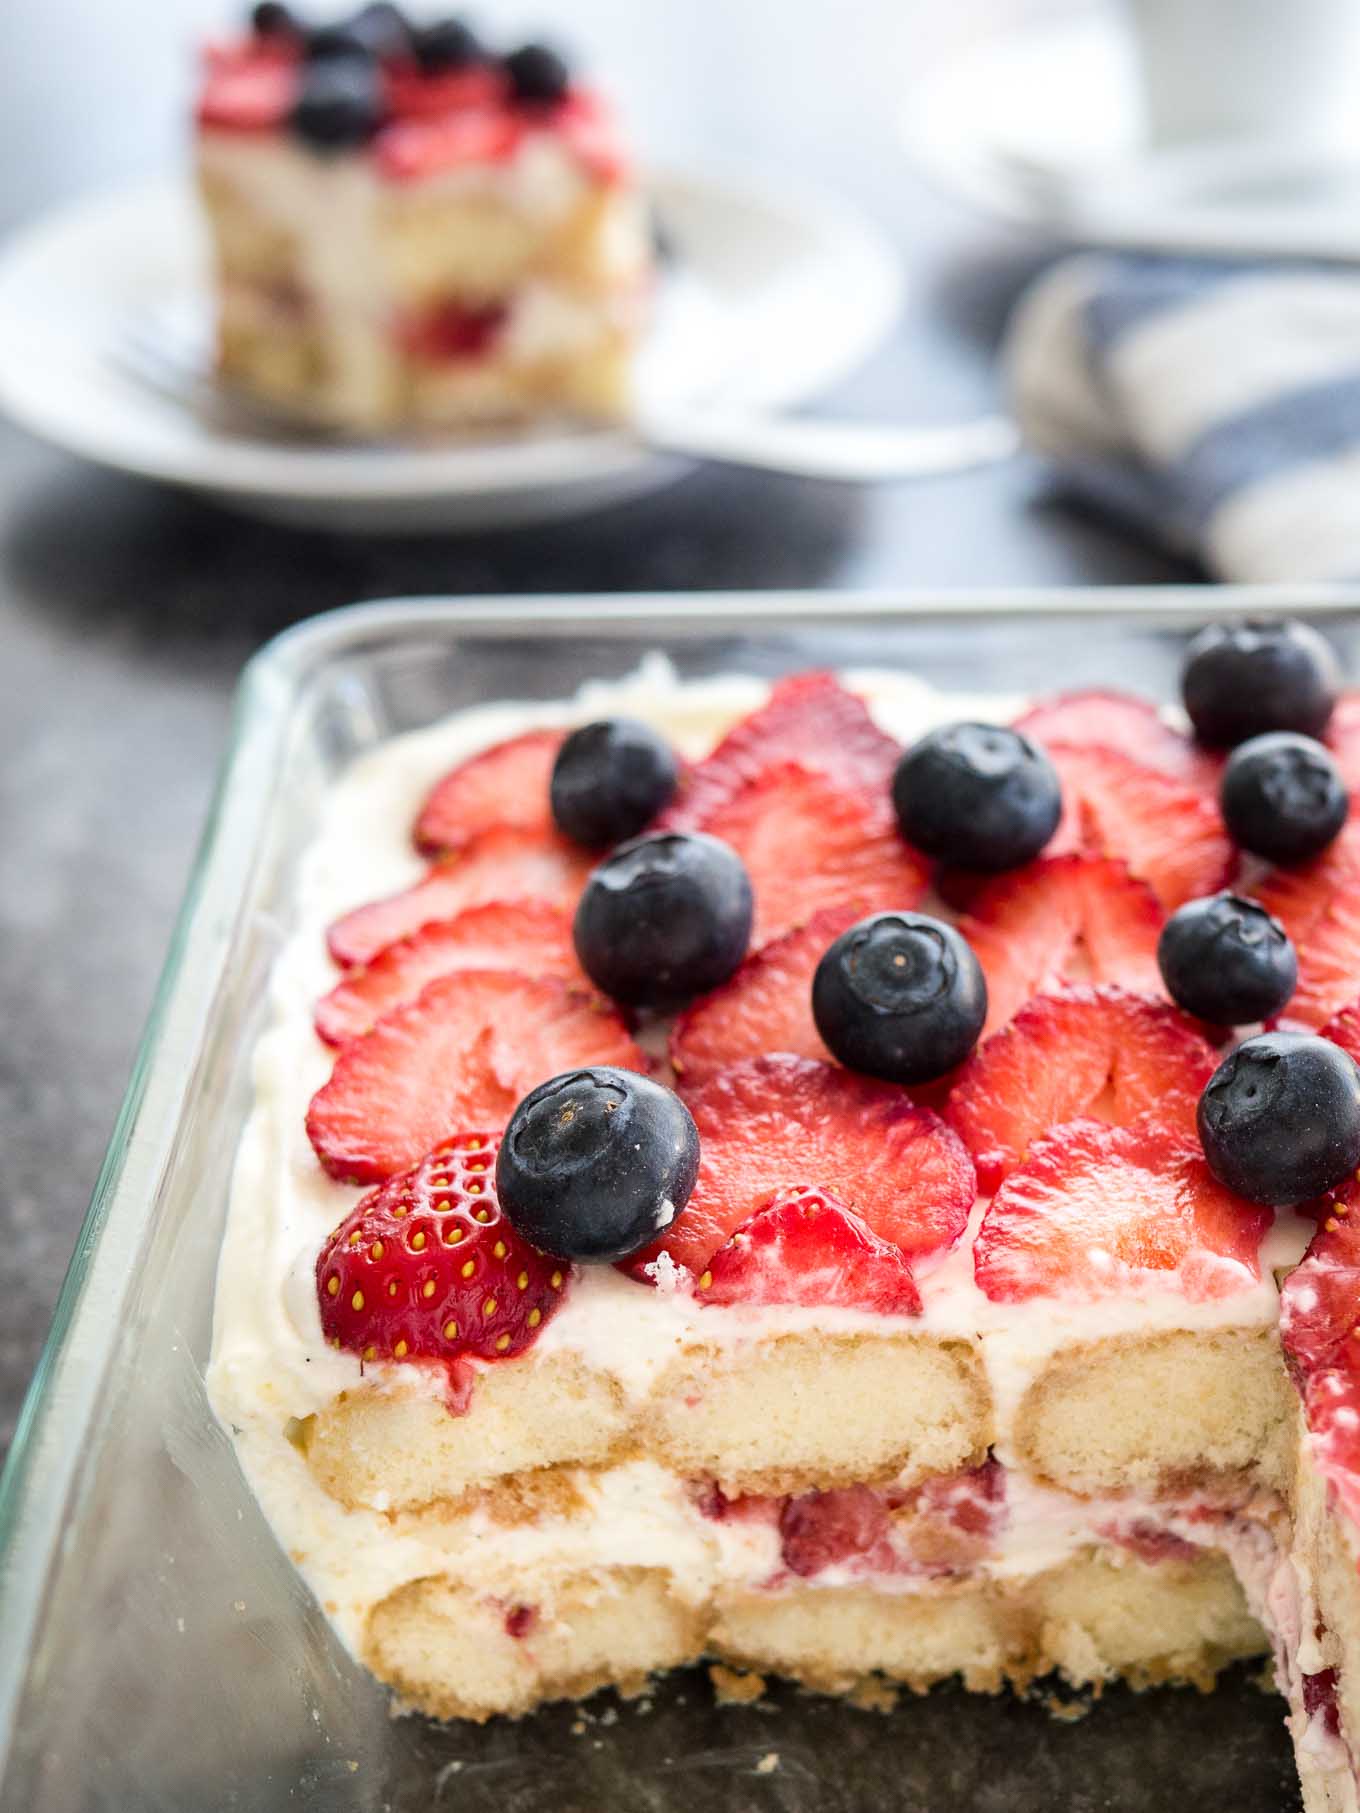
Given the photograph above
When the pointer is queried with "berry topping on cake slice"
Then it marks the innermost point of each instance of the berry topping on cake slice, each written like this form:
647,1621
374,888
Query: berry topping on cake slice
1063,919
426,1267
501,864
1167,832
781,1122
461,1054
1095,1210
809,842
1097,1053
1121,721
529,937
1319,906
766,1006
506,785
807,1247
810,719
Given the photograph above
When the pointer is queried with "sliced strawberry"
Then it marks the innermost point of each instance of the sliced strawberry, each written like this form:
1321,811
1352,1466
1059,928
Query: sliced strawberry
808,844
810,719
413,93
766,1006
412,148
1319,905
1320,1330
1063,919
1096,1210
1123,722
247,92
1320,1299
449,331
1343,1029
504,785
504,864
1168,833
824,1529
460,1055
530,937
1088,1052
427,1268
806,1247
1331,1403
1343,739
779,1122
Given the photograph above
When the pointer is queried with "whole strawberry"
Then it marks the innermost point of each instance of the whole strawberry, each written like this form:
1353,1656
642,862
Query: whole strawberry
426,1267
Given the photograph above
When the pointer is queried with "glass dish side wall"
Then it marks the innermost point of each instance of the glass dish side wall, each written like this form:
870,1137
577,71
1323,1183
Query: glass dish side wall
175,1661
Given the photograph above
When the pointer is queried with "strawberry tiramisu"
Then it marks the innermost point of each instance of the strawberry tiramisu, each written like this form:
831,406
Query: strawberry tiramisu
689,1213
411,230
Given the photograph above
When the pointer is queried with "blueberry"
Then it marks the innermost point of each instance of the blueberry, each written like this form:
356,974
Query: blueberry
596,1163
1227,960
270,19
382,29
537,73
664,917
1280,1118
1242,678
609,780
340,104
328,43
1283,797
978,795
900,996
448,44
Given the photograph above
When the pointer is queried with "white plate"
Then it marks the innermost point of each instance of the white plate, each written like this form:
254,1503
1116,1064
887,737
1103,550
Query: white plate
772,299
1042,126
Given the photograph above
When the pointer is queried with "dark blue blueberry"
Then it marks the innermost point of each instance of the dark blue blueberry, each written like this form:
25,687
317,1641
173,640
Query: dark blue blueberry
271,19
1280,1118
448,44
609,780
1249,675
537,74
340,104
596,1163
382,29
1227,960
1283,797
901,996
664,918
331,43
977,795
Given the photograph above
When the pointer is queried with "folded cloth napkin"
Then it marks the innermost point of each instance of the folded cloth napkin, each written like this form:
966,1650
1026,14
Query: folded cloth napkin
1216,405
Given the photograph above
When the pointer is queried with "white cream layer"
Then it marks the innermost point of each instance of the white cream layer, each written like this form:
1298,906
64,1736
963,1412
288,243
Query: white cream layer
269,1360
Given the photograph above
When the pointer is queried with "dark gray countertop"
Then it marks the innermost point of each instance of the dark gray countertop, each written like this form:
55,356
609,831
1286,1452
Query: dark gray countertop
127,611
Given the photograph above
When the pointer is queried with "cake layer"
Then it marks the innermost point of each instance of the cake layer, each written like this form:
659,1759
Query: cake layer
1098,1615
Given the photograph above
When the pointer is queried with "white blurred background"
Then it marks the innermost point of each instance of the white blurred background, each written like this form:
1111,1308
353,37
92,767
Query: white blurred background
97,91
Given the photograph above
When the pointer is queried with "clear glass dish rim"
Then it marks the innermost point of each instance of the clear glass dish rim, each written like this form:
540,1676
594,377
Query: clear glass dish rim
36,1484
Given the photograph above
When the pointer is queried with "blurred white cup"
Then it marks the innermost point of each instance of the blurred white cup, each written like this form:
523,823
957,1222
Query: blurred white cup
1246,68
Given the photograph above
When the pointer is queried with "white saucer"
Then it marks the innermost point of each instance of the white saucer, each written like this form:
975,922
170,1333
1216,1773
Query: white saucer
1042,126
772,299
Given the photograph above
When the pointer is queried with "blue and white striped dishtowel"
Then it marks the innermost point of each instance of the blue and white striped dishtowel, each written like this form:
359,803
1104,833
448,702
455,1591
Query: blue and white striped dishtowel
1216,405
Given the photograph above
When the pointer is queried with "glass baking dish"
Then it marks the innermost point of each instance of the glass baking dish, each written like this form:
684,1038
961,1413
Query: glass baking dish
157,1650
